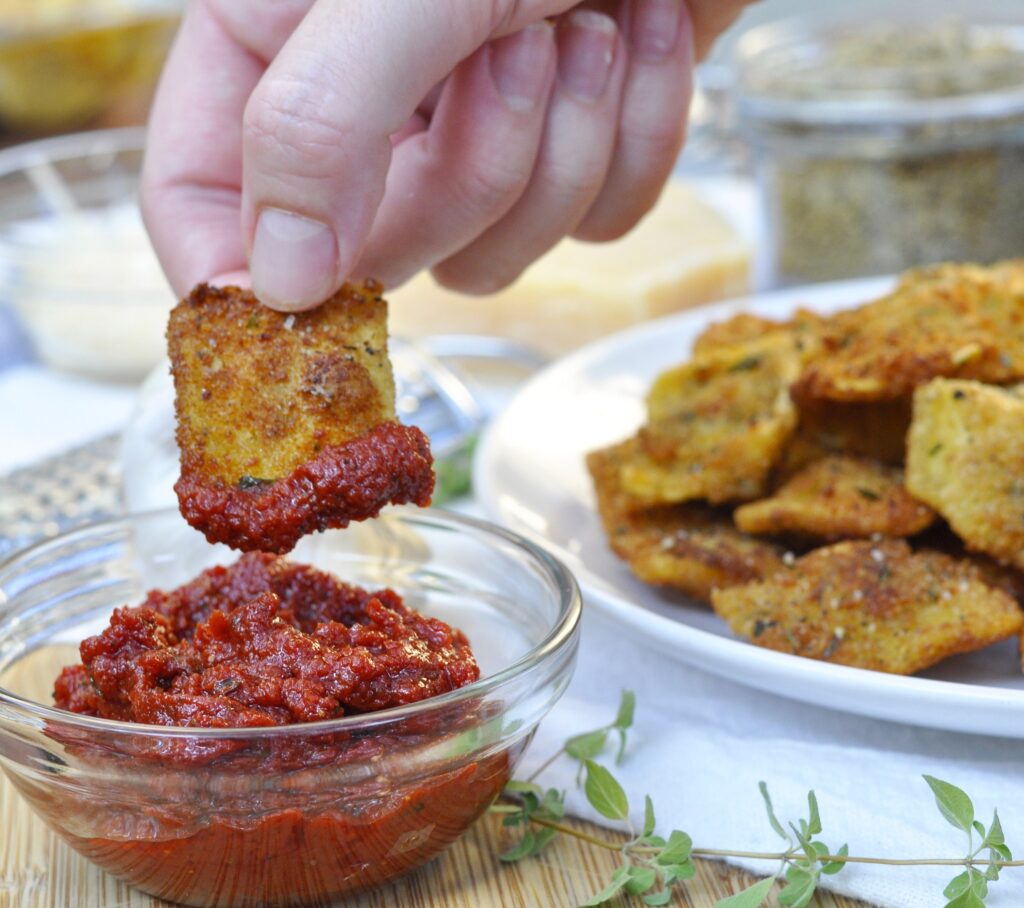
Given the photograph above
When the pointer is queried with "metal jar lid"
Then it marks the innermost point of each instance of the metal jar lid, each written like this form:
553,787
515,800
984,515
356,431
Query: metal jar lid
926,83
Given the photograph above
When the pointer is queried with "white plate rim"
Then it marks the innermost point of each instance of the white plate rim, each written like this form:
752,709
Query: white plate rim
927,702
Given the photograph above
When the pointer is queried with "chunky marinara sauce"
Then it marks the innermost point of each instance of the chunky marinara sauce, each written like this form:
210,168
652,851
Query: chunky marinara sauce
279,819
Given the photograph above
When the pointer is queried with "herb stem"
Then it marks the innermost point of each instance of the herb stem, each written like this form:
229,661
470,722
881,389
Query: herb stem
576,833
758,855
533,775
851,859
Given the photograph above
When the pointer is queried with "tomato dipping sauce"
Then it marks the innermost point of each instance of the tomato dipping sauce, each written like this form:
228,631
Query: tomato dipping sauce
277,819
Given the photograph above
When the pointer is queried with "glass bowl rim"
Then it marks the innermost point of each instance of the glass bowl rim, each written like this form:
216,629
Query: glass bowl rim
74,145
563,632
92,18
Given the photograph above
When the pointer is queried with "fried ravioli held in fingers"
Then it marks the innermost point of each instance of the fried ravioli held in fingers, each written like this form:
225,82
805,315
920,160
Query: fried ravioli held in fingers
286,423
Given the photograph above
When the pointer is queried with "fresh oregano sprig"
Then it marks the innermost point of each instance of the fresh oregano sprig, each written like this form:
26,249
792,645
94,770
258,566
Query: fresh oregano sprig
591,744
652,865
538,806
970,888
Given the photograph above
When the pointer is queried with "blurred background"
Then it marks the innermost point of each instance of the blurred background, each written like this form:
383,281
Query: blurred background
828,141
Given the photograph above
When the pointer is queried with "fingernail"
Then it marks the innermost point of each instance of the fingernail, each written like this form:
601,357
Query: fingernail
654,27
586,50
294,260
519,65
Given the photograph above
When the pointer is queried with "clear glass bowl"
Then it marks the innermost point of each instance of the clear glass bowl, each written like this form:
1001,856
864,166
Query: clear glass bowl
66,63
75,260
292,815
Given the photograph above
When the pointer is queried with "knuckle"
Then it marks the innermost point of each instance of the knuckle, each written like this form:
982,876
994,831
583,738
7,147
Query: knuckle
476,20
491,186
609,225
472,281
285,125
261,26
501,14
570,180
658,138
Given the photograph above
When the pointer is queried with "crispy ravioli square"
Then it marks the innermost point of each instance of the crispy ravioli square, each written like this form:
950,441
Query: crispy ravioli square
965,457
874,605
839,497
744,327
959,321
286,422
692,548
716,425
876,431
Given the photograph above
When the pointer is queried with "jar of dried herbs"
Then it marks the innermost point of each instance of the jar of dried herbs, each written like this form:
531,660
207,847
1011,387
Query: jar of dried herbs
882,147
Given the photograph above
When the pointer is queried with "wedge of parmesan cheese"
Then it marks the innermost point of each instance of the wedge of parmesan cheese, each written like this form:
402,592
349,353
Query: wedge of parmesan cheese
682,254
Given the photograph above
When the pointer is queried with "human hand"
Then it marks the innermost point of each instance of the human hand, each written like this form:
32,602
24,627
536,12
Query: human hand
310,141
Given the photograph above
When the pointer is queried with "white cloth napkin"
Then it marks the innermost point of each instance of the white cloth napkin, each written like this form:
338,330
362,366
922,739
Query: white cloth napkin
701,744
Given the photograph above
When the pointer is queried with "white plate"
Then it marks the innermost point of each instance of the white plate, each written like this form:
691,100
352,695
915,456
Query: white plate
530,476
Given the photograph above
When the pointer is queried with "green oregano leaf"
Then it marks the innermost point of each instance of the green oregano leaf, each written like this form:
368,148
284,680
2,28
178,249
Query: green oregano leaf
995,831
522,787
683,871
618,883
820,849
640,880
522,849
979,884
621,752
966,900
604,792
553,804
649,821
957,886
814,823
662,897
677,850
799,889
587,746
835,866
627,707
805,843
544,835
749,898
953,803
774,820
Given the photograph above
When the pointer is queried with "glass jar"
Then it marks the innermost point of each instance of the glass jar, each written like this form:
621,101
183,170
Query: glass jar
882,147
